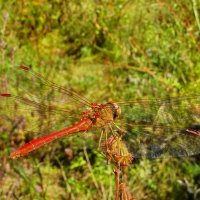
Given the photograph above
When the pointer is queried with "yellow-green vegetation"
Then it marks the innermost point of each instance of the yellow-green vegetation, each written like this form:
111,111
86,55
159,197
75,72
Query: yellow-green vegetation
104,50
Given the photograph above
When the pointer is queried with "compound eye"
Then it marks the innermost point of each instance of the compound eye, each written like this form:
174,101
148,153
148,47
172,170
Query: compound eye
117,110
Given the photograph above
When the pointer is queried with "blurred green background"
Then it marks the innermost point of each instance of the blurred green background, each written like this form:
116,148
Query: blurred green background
105,50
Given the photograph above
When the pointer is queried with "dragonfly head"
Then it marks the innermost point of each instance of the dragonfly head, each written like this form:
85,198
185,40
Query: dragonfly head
116,110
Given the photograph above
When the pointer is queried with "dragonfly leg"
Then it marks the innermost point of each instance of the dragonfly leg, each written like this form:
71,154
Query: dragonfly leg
100,139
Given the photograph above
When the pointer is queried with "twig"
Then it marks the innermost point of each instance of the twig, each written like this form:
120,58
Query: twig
145,70
90,167
139,69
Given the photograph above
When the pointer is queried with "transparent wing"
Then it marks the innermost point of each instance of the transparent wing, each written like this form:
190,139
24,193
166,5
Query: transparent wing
37,105
25,120
26,81
159,128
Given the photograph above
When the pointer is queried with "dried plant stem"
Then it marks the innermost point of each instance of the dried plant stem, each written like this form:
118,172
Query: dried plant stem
196,14
121,192
90,168
117,176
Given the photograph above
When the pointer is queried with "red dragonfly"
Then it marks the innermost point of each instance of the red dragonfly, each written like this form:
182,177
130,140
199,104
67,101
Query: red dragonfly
133,129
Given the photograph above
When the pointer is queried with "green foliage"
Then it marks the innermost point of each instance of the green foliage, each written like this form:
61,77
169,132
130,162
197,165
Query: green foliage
106,51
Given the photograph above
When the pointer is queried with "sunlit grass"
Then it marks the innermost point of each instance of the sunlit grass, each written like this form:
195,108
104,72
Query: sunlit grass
106,51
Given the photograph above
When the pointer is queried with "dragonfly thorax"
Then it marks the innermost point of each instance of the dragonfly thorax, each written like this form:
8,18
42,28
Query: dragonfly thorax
103,114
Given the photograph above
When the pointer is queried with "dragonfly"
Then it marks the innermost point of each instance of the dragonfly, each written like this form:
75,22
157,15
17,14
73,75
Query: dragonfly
144,128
